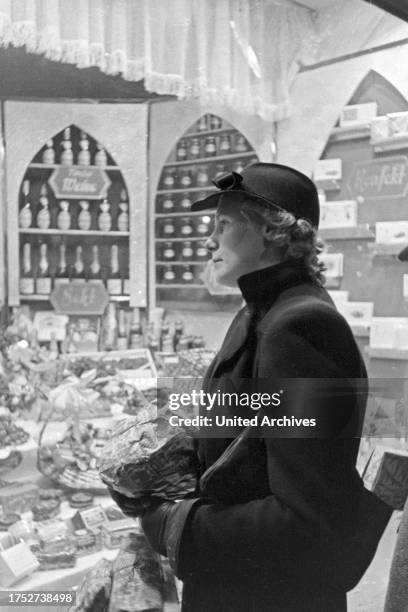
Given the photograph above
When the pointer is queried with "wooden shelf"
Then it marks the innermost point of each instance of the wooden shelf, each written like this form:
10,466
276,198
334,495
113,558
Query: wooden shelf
186,190
197,213
181,263
359,232
209,132
215,158
354,132
54,166
391,144
180,286
35,297
387,353
188,239
58,232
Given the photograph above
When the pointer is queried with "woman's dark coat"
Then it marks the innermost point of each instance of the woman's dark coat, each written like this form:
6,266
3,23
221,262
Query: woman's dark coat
281,524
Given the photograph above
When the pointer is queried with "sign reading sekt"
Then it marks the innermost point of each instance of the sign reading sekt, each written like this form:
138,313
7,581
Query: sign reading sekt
81,182
380,178
79,298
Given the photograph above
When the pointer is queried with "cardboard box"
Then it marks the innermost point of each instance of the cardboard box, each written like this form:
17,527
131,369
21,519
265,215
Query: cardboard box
398,124
383,331
342,213
391,232
380,129
358,114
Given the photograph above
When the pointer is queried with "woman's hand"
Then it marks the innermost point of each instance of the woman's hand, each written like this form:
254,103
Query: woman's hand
132,507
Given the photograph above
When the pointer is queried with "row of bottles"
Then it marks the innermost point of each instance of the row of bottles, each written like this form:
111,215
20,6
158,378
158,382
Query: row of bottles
211,146
199,175
186,274
208,122
184,227
181,251
40,278
71,215
71,151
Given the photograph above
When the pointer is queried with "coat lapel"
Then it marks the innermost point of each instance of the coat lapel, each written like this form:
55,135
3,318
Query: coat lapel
234,340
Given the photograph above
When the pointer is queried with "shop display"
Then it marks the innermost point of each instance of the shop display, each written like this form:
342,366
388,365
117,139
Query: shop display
93,594
186,177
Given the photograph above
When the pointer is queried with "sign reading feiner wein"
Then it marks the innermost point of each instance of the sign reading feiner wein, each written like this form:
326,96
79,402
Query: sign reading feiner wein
81,182
380,178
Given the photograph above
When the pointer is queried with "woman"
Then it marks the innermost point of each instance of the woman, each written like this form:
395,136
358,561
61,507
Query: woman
281,521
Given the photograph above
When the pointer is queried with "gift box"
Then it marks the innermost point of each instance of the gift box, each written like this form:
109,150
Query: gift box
391,232
18,498
16,562
342,213
328,174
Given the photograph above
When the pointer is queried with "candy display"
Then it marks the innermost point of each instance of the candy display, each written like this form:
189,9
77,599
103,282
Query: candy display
18,498
10,433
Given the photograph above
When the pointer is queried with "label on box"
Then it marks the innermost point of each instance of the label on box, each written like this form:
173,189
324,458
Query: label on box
93,517
338,214
328,169
391,232
46,323
358,312
357,114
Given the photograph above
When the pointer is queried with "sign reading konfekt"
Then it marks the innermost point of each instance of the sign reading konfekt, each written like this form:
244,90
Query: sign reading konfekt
380,178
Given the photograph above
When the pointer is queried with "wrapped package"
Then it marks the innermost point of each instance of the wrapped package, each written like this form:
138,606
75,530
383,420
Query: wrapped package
149,458
94,592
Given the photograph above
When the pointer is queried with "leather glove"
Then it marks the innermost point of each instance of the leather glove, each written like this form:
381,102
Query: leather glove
154,523
129,506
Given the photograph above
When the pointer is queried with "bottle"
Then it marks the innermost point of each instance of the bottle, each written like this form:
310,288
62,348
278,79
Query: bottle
78,269
110,328
167,345
101,158
122,339
185,180
168,179
48,156
114,281
84,155
168,204
215,122
95,270
225,144
202,177
187,253
43,215
25,216
168,228
64,217
185,203
53,351
43,272
136,335
210,147
67,156
168,253
187,275
186,227
123,217
168,274
178,333
181,150
152,342
104,218
201,253
240,145
62,274
203,225
84,217
27,275
202,124
194,151
183,343
126,282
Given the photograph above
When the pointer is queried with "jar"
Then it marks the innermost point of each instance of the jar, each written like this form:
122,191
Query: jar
168,204
187,253
203,227
185,203
225,145
240,145
168,274
194,149
181,150
168,253
187,275
168,179
168,228
202,178
186,227
201,253
185,178
210,147
215,122
202,124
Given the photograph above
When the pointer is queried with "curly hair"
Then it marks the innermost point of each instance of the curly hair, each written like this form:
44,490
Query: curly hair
297,237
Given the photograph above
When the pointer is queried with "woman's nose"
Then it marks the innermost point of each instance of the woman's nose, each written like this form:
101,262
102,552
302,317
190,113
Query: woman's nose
210,244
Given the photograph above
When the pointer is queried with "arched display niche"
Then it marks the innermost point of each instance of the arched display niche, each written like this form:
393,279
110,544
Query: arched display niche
211,146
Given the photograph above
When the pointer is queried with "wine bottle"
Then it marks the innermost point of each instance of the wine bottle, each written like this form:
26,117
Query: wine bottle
178,333
43,272
64,216
123,216
136,335
43,215
67,156
84,155
114,281
109,328
78,269
27,275
25,216
105,218
101,158
53,351
84,217
122,340
48,156
95,269
62,273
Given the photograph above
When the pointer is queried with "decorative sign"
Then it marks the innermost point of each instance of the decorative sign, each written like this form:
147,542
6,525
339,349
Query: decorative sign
79,299
380,178
79,182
